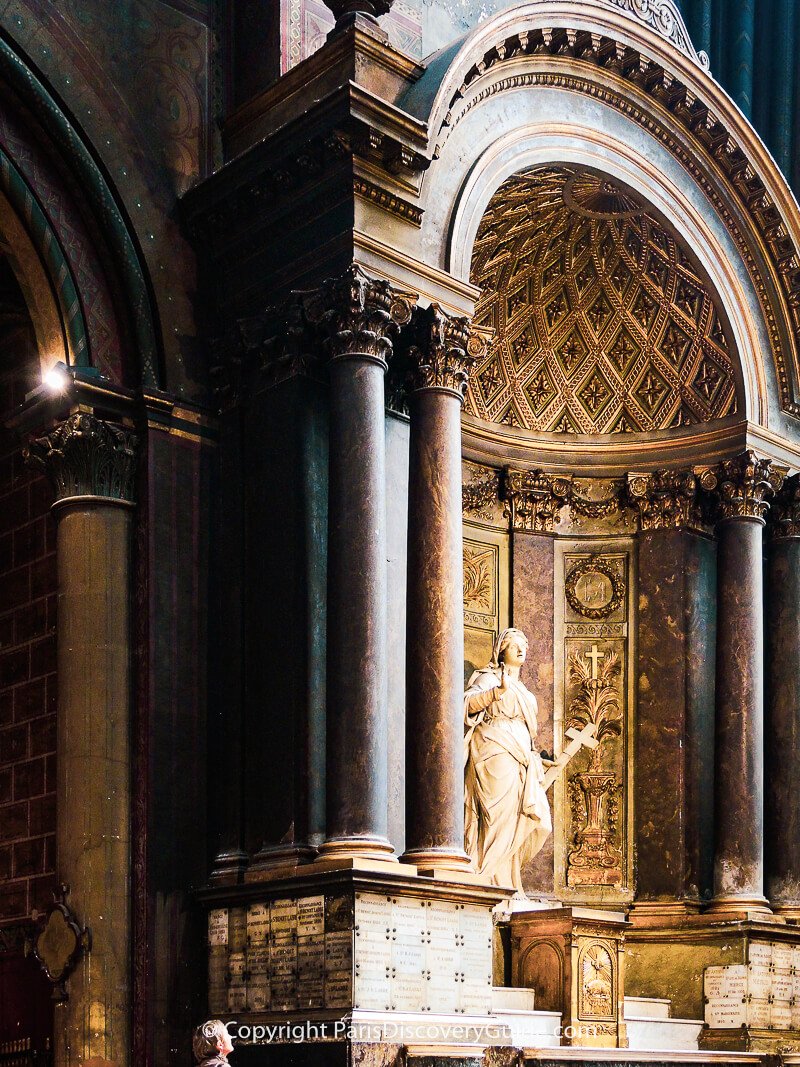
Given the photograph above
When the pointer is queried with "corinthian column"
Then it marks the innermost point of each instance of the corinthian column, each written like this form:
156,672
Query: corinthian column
782,757
359,317
92,466
743,487
435,606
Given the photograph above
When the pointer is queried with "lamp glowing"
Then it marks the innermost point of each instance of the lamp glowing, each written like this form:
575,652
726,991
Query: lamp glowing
56,378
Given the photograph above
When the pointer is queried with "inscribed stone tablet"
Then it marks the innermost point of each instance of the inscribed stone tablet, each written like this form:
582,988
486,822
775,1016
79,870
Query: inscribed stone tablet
373,957
443,960
408,919
782,959
441,993
725,1014
758,1013
732,983
310,916
283,992
443,922
217,975
258,959
782,987
310,991
373,918
475,1001
338,989
796,1015
780,1015
408,958
408,992
237,929
372,992
283,957
258,993
760,954
759,982
338,913
475,923
237,990
283,919
257,923
218,926
338,951
311,954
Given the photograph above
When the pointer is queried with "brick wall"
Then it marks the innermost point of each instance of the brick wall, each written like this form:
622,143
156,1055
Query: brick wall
27,687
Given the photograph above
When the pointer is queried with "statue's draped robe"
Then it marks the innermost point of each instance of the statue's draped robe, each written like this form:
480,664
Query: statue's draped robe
507,814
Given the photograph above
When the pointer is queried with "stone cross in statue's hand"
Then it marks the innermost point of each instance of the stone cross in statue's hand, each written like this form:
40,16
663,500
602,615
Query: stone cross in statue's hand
578,739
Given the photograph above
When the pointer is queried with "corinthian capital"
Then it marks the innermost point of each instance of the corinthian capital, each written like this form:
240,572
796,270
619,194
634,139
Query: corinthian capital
442,353
84,456
784,515
358,315
743,486
534,498
665,499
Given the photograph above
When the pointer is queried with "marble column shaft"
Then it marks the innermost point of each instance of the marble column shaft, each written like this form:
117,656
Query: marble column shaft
92,465
782,755
744,487
359,317
435,602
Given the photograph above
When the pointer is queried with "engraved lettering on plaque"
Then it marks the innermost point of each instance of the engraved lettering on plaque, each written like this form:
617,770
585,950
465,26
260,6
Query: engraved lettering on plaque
237,989
408,920
311,954
760,954
237,929
283,919
310,990
338,968
310,916
782,959
283,957
372,991
258,993
441,993
758,1013
338,990
257,924
759,983
283,992
258,959
780,1015
726,1014
373,918
218,926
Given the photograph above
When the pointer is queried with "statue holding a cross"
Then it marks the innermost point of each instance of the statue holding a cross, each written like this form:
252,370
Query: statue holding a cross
507,813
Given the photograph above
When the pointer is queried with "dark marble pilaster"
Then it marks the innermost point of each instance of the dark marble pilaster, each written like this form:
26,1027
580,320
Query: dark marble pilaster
435,631
744,487
358,317
92,466
782,755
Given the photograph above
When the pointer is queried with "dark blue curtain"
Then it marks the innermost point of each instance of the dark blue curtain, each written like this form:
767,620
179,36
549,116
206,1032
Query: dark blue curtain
754,46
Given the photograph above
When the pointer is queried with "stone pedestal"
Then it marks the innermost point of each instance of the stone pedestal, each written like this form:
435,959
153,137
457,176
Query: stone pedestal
92,466
573,959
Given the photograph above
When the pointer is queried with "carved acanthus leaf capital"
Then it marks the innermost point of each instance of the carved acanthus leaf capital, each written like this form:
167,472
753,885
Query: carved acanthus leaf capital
534,498
85,456
665,499
358,315
375,8
443,351
743,486
784,515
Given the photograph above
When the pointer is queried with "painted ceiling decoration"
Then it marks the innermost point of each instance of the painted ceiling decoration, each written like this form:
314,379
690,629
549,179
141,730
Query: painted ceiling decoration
602,324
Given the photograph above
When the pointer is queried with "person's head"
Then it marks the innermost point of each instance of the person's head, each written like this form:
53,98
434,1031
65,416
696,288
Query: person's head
211,1039
512,647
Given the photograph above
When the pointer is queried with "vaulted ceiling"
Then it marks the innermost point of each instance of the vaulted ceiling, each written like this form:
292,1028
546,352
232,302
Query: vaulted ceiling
601,322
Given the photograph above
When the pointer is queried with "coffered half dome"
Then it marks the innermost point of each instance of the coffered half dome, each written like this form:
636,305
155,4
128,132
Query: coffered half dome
600,319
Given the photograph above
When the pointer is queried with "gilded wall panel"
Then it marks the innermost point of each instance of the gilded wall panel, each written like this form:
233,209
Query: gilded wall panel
486,592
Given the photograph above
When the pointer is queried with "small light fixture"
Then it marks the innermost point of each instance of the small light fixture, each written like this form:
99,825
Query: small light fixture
57,377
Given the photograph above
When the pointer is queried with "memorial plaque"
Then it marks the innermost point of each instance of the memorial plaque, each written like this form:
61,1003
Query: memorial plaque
283,919
725,1014
372,991
782,987
475,923
758,1013
782,959
796,958
339,951
409,920
443,959
257,924
760,954
408,958
283,957
442,922
408,992
338,989
218,926
338,913
237,989
258,959
237,929
258,993
441,993
311,955
310,916
373,957
475,1001
759,982
796,1014
310,990
283,992
780,1015
217,979
373,918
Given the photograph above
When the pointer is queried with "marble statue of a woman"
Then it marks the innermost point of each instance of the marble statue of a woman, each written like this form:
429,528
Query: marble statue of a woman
507,814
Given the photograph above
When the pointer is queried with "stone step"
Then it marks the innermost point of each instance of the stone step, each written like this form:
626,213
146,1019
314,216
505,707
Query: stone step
659,1033
647,1008
516,999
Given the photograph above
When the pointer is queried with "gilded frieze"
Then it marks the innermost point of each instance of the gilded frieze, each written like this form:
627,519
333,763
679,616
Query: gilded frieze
601,322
